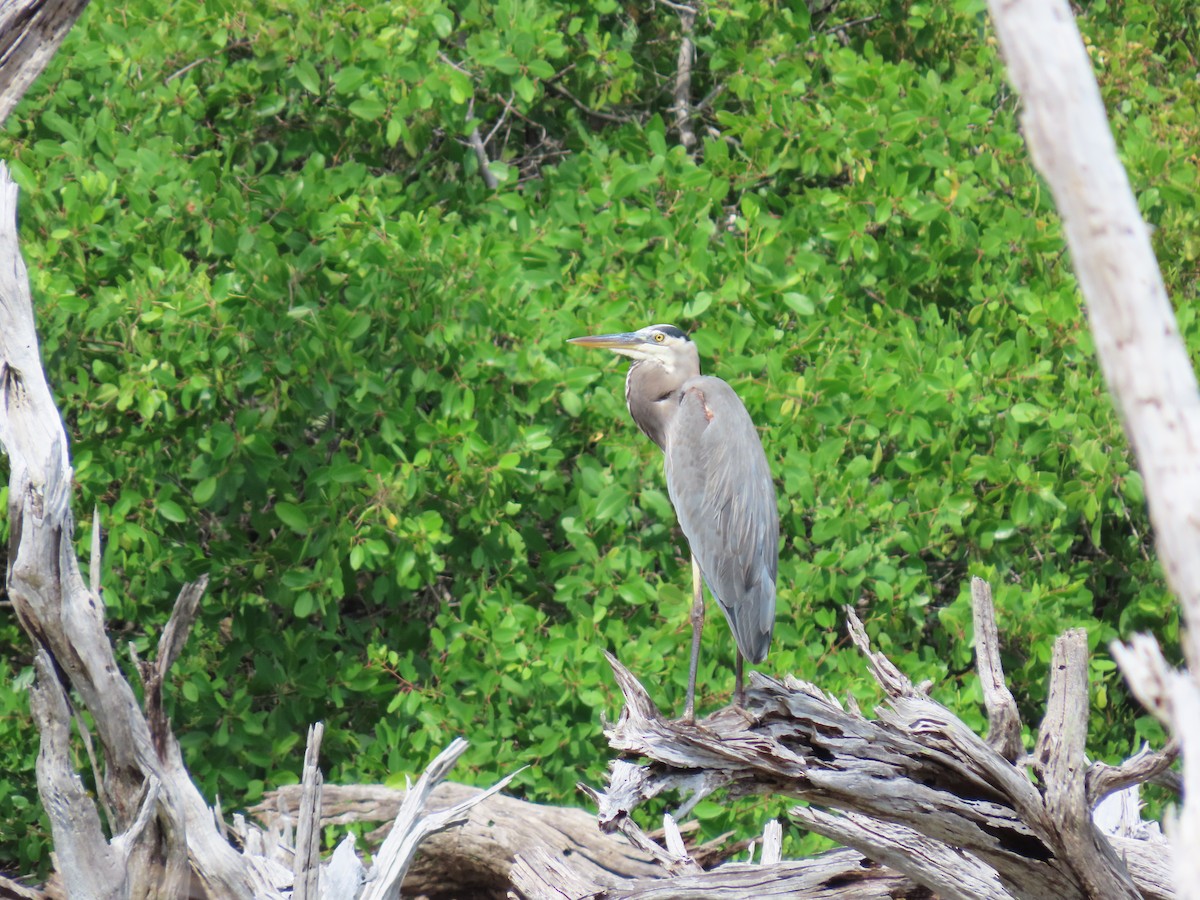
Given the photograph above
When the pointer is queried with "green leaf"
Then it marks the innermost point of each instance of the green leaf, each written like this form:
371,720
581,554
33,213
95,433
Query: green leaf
799,303
304,605
572,403
368,108
171,511
203,492
306,74
698,304
525,89
292,516
1026,412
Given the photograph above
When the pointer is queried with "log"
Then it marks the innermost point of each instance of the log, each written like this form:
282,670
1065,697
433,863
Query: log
476,859
839,875
914,788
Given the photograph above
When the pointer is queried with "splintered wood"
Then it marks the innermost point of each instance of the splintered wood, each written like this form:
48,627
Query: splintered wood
913,788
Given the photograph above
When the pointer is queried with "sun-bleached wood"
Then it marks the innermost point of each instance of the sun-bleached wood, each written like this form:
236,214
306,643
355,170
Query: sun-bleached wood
413,825
837,875
479,855
1143,357
65,619
306,866
1004,720
913,788
30,34
163,829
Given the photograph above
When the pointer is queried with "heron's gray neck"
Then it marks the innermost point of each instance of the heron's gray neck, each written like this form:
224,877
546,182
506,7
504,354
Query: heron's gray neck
652,394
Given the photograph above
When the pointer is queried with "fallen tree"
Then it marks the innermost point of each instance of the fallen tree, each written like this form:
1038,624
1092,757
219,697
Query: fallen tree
913,789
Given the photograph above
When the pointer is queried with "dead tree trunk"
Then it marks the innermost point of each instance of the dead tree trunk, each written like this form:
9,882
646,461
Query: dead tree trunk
1144,359
913,789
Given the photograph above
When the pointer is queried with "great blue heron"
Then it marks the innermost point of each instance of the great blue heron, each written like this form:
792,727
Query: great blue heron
718,480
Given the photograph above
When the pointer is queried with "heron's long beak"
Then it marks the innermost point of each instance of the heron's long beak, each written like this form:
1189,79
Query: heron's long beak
622,341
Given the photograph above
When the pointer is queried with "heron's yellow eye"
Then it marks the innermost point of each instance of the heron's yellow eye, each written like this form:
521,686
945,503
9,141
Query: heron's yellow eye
658,337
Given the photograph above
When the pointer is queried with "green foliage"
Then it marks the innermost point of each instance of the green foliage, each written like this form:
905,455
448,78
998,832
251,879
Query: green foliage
301,347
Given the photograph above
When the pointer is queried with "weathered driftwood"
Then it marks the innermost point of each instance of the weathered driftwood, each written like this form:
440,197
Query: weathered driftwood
306,866
839,875
842,874
162,830
157,816
413,825
914,788
1144,359
475,859
30,34
294,861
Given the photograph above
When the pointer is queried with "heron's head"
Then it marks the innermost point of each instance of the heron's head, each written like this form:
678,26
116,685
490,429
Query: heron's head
663,344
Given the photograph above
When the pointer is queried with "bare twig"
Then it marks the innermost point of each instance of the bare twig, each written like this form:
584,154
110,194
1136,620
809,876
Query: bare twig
485,165
596,113
846,26
1004,722
682,96
170,645
308,827
1147,765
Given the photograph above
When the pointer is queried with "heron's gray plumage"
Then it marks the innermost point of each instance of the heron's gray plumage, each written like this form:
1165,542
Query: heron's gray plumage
717,474
720,485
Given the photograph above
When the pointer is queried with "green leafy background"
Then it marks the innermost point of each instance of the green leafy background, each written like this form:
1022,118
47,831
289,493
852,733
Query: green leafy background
300,346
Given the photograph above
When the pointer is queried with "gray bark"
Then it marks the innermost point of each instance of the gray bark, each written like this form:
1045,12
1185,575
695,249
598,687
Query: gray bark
476,858
1141,352
914,788
30,34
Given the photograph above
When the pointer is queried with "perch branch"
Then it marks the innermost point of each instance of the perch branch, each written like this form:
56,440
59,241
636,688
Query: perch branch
914,788
413,825
682,97
1004,722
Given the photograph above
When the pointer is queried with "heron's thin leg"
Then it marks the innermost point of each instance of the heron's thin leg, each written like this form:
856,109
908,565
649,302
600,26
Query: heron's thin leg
689,710
739,692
